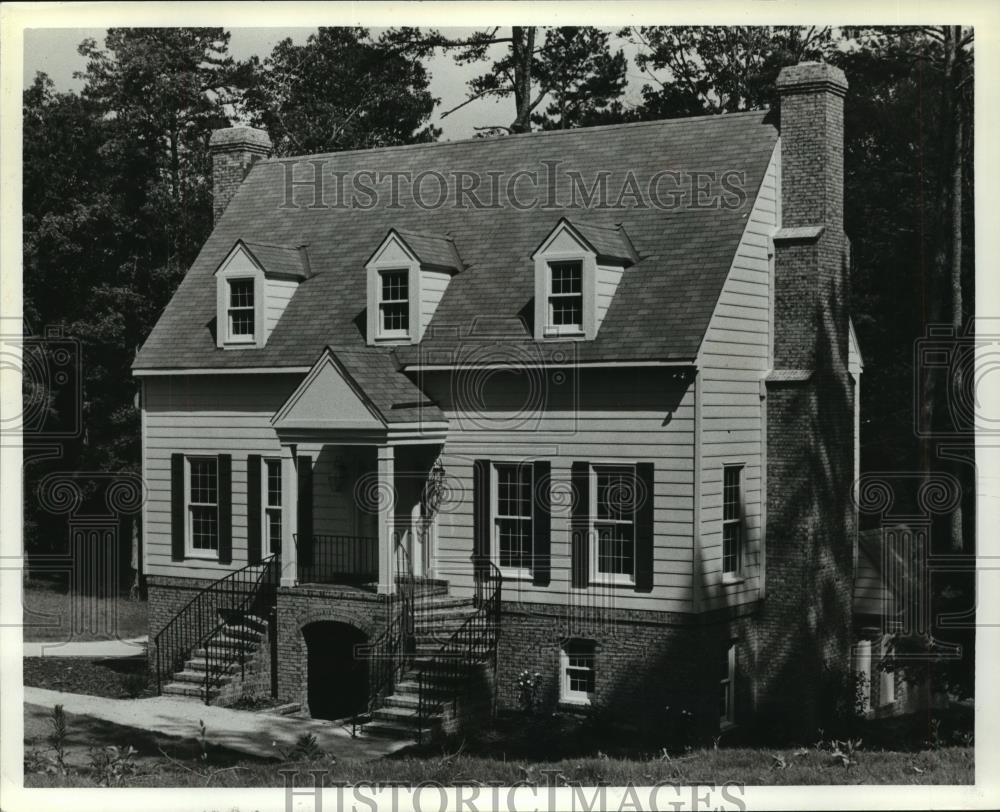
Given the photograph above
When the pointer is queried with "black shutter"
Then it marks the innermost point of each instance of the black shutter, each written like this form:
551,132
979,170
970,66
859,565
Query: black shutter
541,523
580,524
254,542
644,528
305,510
225,508
177,507
480,515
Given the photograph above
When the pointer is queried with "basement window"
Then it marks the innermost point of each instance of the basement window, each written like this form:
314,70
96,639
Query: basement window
577,666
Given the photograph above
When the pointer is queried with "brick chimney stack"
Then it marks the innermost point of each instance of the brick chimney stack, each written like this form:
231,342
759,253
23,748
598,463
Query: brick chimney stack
804,626
234,150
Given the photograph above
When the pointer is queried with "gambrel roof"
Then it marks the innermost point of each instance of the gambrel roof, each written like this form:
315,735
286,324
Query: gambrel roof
660,311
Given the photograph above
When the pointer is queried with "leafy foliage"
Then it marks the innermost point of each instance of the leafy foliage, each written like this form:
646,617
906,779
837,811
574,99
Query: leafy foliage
341,90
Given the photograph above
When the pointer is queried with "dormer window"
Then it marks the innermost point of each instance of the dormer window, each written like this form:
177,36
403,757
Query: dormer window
407,276
241,310
565,297
254,284
577,271
394,304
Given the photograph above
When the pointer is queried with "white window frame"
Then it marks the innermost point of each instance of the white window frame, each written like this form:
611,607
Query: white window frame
551,328
242,338
739,521
190,551
267,509
382,331
727,689
510,572
598,577
568,694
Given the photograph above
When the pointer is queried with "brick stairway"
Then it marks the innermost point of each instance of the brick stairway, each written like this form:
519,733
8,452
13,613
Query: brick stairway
248,634
436,618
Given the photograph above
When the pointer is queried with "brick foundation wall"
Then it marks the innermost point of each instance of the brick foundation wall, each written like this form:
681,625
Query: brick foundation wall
300,606
650,668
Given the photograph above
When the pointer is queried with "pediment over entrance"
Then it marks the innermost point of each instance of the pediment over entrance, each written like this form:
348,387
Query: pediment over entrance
328,398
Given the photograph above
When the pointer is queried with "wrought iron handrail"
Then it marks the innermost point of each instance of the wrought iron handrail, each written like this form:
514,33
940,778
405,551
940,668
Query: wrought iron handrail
392,652
258,603
336,559
473,643
199,618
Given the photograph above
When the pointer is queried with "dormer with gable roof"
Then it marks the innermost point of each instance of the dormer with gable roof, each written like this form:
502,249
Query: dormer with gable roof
406,278
254,284
577,271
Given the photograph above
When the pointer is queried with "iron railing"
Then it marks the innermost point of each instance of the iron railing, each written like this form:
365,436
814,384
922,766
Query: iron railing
326,559
448,674
202,615
391,654
219,659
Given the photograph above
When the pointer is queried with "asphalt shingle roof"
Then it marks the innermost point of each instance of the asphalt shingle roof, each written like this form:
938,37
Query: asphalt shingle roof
284,260
660,311
432,250
377,375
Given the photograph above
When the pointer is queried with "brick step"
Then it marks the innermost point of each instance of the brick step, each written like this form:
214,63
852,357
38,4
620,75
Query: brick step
187,689
201,664
248,633
197,678
388,730
444,602
410,687
403,717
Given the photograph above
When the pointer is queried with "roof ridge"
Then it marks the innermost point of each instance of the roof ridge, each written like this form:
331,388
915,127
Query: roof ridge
533,134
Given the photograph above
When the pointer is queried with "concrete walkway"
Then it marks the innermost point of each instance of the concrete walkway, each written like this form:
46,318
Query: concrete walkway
249,732
91,648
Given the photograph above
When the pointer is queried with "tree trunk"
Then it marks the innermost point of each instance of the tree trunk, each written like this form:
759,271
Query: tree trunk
524,53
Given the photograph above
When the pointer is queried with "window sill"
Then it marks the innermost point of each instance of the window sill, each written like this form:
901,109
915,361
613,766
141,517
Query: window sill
574,705
516,575
627,584
553,335
240,345
201,555
733,580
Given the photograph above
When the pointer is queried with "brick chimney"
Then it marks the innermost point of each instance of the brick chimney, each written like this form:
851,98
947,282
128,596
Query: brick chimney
804,626
234,150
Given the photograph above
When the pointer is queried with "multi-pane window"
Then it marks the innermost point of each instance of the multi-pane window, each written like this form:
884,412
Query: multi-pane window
241,309
203,504
272,504
512,516
727,685
566,296
394,302
614,520
732,519
577,684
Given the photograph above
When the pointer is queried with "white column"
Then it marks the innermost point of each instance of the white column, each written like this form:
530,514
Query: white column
289,517
386,510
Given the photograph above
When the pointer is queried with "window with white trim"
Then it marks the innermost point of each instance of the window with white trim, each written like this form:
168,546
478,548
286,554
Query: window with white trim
613,496
565,297
272,504
202,507
512,516
241,310
732,520
577,672
727,686
394,303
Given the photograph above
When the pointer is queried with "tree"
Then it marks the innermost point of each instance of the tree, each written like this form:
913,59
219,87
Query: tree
718,69
573,68
341,90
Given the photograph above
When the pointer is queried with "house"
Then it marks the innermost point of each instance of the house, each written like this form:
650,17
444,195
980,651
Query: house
582,404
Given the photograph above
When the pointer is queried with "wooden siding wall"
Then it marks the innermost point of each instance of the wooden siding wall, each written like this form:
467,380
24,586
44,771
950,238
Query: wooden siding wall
735,355
279,293
870,592
432,285
608,277
608,415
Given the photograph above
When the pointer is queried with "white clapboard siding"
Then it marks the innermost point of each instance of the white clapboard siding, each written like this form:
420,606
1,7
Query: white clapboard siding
203,414
608,277
657,426
734,357
432,285
279,293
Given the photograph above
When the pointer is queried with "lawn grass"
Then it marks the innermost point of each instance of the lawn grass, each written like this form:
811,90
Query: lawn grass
182,766
48,614
114,677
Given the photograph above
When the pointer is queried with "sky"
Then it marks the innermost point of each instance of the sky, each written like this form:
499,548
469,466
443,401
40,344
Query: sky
54,51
